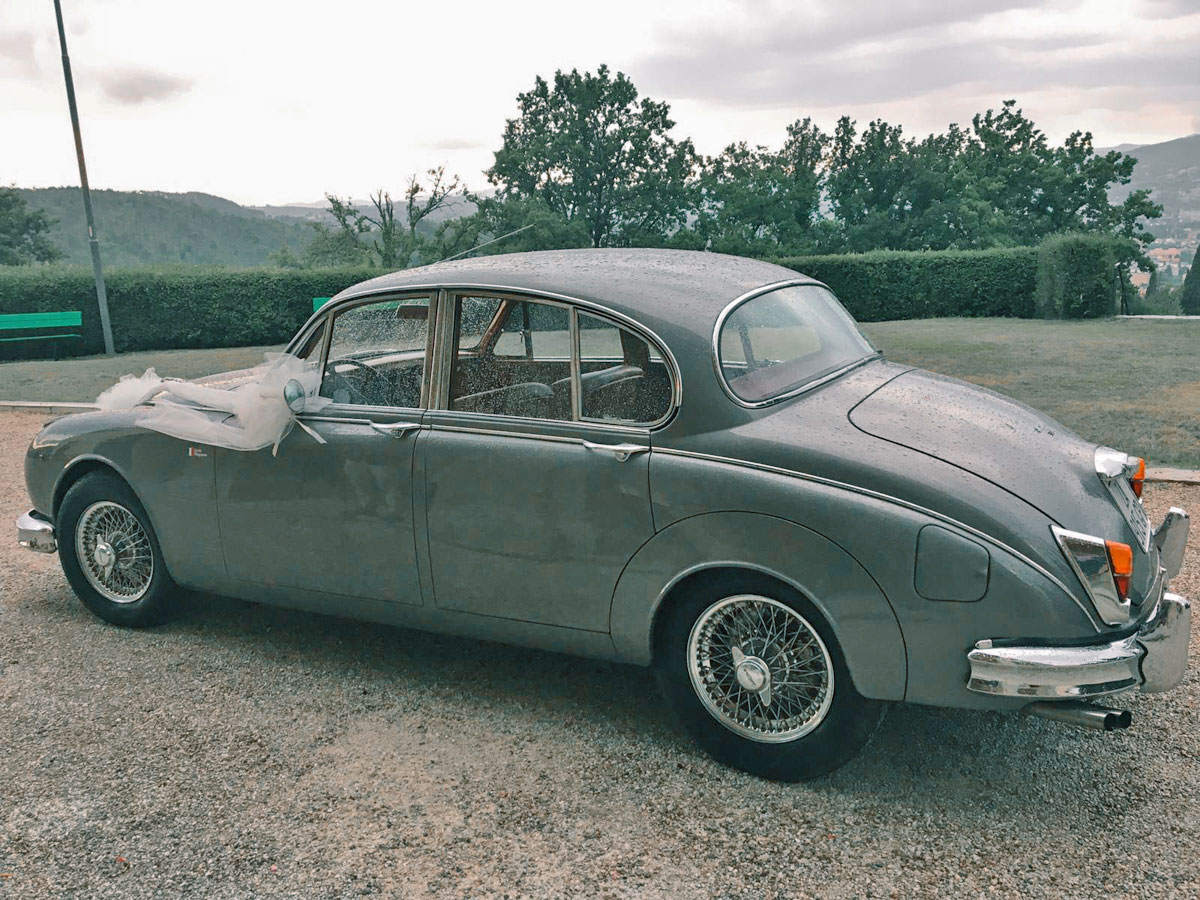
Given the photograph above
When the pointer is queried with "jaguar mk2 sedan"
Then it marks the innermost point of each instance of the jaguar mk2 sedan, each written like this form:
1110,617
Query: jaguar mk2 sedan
685,461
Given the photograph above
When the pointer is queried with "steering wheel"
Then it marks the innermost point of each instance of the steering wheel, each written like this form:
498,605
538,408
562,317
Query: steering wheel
378,383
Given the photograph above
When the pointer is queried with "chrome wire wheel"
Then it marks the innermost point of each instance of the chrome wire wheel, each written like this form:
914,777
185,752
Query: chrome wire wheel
114,552
760,668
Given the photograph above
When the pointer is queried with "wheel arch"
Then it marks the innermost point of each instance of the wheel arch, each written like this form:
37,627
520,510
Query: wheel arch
78,469
796,557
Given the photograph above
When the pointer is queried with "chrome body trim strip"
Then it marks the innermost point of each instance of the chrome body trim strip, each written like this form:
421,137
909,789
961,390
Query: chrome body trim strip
1154,659
491,423
794,392
35,532
887,498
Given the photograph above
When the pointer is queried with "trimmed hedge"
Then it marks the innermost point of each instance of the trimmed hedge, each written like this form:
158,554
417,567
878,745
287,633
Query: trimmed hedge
166,308
897,284
1077,277
171,308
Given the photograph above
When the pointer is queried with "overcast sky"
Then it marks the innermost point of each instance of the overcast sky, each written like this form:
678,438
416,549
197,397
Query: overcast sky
271,102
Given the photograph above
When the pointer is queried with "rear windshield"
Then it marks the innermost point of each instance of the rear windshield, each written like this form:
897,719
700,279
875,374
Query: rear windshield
777,342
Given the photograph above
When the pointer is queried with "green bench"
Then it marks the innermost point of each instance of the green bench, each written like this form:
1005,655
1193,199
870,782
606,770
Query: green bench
41,326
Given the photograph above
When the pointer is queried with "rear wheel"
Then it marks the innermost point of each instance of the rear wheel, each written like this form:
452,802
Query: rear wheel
110,554
755,674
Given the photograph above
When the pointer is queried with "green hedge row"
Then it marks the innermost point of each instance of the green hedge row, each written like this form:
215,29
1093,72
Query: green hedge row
896,284
1068,276
170,308
192,306
1077,277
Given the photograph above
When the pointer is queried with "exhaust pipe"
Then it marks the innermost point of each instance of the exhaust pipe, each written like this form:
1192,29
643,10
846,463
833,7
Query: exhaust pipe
1085,715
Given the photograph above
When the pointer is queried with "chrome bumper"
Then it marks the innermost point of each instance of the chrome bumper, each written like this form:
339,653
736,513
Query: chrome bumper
1154,659
36,533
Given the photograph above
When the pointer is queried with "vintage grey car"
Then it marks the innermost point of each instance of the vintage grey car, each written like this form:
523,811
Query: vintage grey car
683,461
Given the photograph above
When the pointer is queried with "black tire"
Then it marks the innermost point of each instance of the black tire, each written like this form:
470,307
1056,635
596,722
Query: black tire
147,607
845,728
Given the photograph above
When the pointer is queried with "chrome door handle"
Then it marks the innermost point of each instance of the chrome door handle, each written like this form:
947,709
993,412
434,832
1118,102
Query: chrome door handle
396,429
621,451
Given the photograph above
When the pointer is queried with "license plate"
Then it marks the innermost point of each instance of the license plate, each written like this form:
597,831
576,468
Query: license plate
1132,510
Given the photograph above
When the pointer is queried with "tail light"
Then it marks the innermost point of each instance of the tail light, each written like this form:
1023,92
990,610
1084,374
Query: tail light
1137,477
1104,568
1120,559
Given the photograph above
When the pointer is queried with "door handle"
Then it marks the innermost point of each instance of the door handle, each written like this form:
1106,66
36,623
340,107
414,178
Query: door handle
395,429
621,451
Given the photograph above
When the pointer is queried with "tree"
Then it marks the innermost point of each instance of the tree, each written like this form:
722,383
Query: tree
596,156
23,232
1190,302
759,202
394,243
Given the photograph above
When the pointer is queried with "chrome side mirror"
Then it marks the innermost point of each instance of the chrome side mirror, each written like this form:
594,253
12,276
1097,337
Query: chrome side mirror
294,396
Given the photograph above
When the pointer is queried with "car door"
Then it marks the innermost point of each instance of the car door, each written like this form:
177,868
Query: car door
537,494
337,517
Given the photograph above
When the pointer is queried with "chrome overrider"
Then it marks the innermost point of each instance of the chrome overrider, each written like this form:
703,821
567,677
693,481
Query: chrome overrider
1153,658
34,532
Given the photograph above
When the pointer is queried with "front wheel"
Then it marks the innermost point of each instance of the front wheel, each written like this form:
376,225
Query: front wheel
755,674
110,554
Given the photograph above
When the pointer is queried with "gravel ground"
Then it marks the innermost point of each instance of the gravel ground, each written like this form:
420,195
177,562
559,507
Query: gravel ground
244,751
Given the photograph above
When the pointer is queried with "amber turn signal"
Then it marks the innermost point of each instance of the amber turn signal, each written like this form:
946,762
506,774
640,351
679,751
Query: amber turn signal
1138,478
1120,559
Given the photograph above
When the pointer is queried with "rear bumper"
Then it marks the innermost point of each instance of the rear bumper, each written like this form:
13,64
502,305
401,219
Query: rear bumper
1153,659
35,532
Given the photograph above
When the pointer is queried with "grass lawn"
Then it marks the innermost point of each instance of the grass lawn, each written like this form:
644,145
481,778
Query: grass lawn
1132,384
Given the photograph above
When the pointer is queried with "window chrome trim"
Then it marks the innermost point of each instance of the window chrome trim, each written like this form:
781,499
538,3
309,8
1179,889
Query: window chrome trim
454,293
502,423
576,369
329,312
796,391
896,501
458,288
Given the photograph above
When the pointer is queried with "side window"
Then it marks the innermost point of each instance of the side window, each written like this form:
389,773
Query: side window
623,379
513,358
377,353
311,348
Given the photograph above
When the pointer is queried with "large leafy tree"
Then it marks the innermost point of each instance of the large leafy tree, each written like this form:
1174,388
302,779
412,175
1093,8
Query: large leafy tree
23,231
760,202
598,156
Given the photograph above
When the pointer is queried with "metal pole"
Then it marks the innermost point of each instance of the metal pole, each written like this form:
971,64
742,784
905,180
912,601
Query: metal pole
93,241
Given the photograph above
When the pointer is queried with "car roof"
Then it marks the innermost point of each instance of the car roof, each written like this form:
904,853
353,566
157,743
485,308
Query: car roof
664,289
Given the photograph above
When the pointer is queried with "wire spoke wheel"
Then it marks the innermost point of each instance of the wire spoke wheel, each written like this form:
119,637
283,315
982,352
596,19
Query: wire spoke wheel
760,668
114,552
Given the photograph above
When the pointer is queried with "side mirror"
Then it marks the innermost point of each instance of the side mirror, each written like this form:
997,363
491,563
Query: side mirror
293,395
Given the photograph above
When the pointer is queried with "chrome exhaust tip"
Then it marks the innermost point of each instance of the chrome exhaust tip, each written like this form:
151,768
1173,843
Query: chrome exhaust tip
1085,715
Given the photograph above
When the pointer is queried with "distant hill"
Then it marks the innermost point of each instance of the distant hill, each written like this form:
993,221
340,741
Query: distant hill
140,227
316,211
1172,171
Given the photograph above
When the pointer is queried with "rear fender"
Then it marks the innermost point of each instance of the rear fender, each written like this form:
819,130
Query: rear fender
851,602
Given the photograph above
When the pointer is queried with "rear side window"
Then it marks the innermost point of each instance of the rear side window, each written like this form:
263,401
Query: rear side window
622,378
777,342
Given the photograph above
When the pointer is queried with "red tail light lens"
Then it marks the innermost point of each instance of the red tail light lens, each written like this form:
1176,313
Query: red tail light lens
1120,558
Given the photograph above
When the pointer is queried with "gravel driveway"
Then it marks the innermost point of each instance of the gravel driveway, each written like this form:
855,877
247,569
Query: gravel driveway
243,751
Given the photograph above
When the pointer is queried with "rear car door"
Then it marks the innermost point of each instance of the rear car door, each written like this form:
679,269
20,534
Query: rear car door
536,465
338,517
